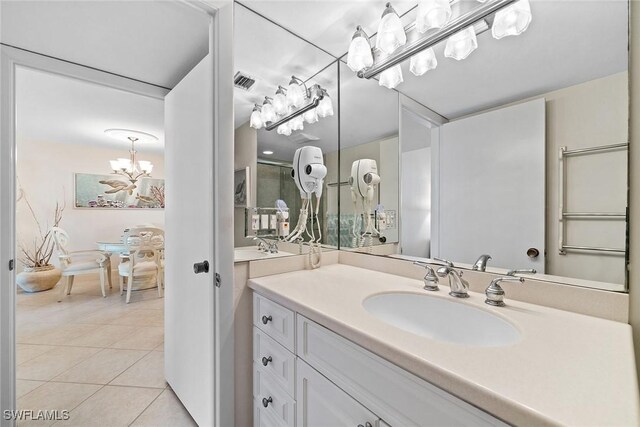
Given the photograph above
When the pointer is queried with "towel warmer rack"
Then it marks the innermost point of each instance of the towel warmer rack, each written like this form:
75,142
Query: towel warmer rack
563,216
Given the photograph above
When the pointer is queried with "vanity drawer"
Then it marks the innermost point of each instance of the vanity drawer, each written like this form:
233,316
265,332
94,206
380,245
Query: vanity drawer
400,398
262,416
278,322
275,359
279,404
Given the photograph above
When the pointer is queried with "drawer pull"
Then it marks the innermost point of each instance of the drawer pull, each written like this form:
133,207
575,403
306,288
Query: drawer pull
367,424
266,319
266,360
265,401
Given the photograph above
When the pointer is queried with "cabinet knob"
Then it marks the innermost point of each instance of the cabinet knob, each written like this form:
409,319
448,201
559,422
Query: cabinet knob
266,360
266,401
367,424
266,319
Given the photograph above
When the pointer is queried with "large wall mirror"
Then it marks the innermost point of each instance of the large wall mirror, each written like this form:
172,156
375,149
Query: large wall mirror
518,151
266,156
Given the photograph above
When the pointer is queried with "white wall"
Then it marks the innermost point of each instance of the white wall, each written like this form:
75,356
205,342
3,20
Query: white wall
245,154
415,185
46,173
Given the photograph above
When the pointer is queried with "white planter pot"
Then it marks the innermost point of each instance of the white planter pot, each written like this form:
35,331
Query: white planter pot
38,278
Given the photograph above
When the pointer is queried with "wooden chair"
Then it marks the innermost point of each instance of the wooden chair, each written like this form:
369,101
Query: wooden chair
144,246
74,263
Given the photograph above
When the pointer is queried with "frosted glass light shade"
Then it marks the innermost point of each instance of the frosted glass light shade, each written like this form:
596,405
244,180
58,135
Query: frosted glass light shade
126,165
268,113
391,33
391,77
325,107
461,44
512,20
280,103
423,62
284,129
256,120
310,116
115,165
145,166
297,123
295,94
359,56
432,14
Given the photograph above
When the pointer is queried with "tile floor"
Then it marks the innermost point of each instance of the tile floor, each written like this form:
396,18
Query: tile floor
99,358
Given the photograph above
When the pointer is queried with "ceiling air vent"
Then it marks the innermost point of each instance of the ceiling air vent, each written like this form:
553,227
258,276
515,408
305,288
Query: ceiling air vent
301,138
243,81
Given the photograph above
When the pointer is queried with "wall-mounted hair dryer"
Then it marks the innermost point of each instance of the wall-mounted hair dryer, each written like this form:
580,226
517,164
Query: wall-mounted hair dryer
308,173
363,180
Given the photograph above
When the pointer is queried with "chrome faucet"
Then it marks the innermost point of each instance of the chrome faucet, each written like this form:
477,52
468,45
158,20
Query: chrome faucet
459,287
521,271
430,279
495,293
263,245
481,263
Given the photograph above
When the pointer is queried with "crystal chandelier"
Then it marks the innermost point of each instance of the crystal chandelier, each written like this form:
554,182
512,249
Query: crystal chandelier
129,167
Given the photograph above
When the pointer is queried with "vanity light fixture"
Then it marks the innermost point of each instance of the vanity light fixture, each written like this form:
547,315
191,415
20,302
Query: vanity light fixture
423,61
315,102
296,92
391,33
509,17
359,56
267,152
256,118
512,21
432,14
460,45
325,106
280,101
130,168
391,77
268,113
311,116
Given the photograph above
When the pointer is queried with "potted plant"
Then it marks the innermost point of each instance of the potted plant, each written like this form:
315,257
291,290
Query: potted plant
39,274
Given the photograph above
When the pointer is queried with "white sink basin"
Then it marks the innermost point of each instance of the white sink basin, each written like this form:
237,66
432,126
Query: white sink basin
251,253
442,320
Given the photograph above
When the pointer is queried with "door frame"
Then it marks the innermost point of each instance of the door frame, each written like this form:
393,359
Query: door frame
221,47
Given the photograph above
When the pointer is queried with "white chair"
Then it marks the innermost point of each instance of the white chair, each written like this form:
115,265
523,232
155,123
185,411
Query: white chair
144,246
74,263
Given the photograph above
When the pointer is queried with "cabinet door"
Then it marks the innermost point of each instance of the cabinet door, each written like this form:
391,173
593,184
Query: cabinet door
322,404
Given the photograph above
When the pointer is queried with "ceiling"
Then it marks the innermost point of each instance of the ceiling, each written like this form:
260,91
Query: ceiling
170,37
568,42
64,110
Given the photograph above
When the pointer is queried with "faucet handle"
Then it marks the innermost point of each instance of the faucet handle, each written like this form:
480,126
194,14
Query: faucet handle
430,279
521,271
495,293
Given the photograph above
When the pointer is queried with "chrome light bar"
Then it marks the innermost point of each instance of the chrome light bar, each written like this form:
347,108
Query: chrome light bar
315,93
417,42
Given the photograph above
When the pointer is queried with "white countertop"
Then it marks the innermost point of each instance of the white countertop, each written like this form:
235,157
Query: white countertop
251,253
568,369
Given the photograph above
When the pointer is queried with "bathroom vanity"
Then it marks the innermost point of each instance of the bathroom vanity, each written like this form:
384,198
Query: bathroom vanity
327,352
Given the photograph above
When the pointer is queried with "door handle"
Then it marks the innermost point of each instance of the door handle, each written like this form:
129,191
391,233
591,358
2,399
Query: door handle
265,401
201,267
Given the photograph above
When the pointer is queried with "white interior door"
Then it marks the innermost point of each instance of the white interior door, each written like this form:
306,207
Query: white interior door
190,316
489,187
